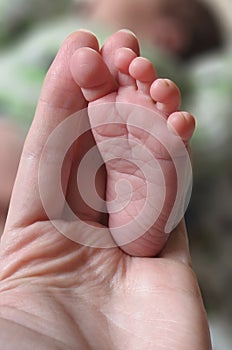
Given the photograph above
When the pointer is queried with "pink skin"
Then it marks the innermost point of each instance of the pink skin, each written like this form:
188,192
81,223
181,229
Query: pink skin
133,80
58,294
11,143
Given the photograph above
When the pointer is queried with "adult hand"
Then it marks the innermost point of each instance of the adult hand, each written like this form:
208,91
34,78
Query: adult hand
59,294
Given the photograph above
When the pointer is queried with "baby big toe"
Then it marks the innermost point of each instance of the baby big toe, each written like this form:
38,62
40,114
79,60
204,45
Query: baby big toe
91,73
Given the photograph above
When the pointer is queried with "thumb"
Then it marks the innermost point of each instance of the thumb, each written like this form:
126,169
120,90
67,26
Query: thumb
177,246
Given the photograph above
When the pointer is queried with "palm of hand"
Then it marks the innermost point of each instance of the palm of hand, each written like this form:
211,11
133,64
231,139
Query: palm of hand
101,298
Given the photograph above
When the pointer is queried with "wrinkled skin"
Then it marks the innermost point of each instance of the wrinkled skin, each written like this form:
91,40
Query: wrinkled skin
58,294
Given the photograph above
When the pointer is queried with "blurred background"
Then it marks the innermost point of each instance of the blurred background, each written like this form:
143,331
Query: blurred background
190,41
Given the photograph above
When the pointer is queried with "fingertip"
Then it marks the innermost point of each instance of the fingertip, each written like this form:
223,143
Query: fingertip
127,31
177,246
84,36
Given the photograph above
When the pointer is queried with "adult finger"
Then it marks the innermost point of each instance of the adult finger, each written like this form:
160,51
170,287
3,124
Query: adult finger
60,97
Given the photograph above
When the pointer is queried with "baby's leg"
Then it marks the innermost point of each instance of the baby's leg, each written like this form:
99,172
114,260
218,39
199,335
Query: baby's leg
142,140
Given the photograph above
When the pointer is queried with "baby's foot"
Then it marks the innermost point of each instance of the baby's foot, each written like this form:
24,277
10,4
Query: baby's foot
133,117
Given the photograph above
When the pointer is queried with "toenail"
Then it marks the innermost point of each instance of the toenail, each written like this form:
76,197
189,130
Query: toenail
166,82
188,117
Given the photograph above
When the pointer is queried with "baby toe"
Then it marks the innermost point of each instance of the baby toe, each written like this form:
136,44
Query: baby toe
183,123
166,95
122,60
91,73
143,71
